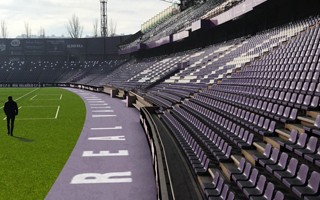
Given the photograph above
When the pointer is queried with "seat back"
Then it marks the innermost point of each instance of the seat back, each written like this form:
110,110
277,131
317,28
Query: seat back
303,173
314,182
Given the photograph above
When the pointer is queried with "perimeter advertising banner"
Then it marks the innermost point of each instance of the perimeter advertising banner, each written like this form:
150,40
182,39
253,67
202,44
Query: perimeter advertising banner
15,47
55,47
34,47
50,47
3,47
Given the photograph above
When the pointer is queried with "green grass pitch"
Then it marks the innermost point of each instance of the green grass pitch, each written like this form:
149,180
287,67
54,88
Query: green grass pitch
46,130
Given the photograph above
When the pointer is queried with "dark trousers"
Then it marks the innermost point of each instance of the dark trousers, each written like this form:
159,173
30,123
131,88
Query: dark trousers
10,124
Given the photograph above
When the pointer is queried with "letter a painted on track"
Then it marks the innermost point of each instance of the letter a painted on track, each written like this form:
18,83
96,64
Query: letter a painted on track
96,178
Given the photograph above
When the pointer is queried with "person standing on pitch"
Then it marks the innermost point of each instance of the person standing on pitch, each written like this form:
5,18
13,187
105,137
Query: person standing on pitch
11,110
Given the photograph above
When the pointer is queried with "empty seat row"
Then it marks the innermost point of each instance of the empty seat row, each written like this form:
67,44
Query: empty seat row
286,170
269,109
256,122
302,145
293,99
253,184
231,130
218,147
218,189
197,157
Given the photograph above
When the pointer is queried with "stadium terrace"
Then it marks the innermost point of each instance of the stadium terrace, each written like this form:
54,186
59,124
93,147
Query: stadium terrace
211,99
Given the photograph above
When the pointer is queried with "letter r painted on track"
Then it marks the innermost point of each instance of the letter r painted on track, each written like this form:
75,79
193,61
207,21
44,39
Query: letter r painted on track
96,178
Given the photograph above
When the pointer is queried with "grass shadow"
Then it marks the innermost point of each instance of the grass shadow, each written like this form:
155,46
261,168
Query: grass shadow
23,139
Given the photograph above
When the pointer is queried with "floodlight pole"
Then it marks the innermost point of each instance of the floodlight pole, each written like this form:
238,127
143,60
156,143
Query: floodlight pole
104,18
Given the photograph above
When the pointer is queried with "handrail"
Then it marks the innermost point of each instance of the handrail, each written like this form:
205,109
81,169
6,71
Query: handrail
165,191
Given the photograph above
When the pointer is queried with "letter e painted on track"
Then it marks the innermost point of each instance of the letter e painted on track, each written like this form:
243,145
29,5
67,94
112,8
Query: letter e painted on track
96,178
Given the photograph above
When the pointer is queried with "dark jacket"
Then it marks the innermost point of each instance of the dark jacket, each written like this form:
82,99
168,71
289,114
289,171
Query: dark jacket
11,108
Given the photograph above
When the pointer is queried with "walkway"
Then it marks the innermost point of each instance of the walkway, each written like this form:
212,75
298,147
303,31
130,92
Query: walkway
111,160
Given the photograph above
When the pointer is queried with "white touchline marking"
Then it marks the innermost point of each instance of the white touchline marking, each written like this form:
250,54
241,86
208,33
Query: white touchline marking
101,107
33,97
101,111
57,112
98,116
60,96
107,128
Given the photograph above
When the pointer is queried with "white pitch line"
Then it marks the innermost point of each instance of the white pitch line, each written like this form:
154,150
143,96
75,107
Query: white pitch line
57,112
107,128
60,96
27,94
34,97
24,119
102,111
23,95
101,116
18,109
39,106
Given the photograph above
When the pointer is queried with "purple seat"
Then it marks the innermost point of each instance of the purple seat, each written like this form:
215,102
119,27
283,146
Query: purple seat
214,182
239,169
301,143
217,191
310,148
316,129
298,180
267,195
231,196
251,182
313,157
312,189
290,172
266,154
248,143
243,176
281,165
292,139
273,158
278,196
223,195
258,190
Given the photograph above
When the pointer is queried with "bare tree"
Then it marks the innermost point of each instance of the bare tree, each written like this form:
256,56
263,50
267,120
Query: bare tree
112,28
95,28
27,30
4,30
74,27
42,32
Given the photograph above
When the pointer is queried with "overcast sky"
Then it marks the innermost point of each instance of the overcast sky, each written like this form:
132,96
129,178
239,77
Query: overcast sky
53,15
